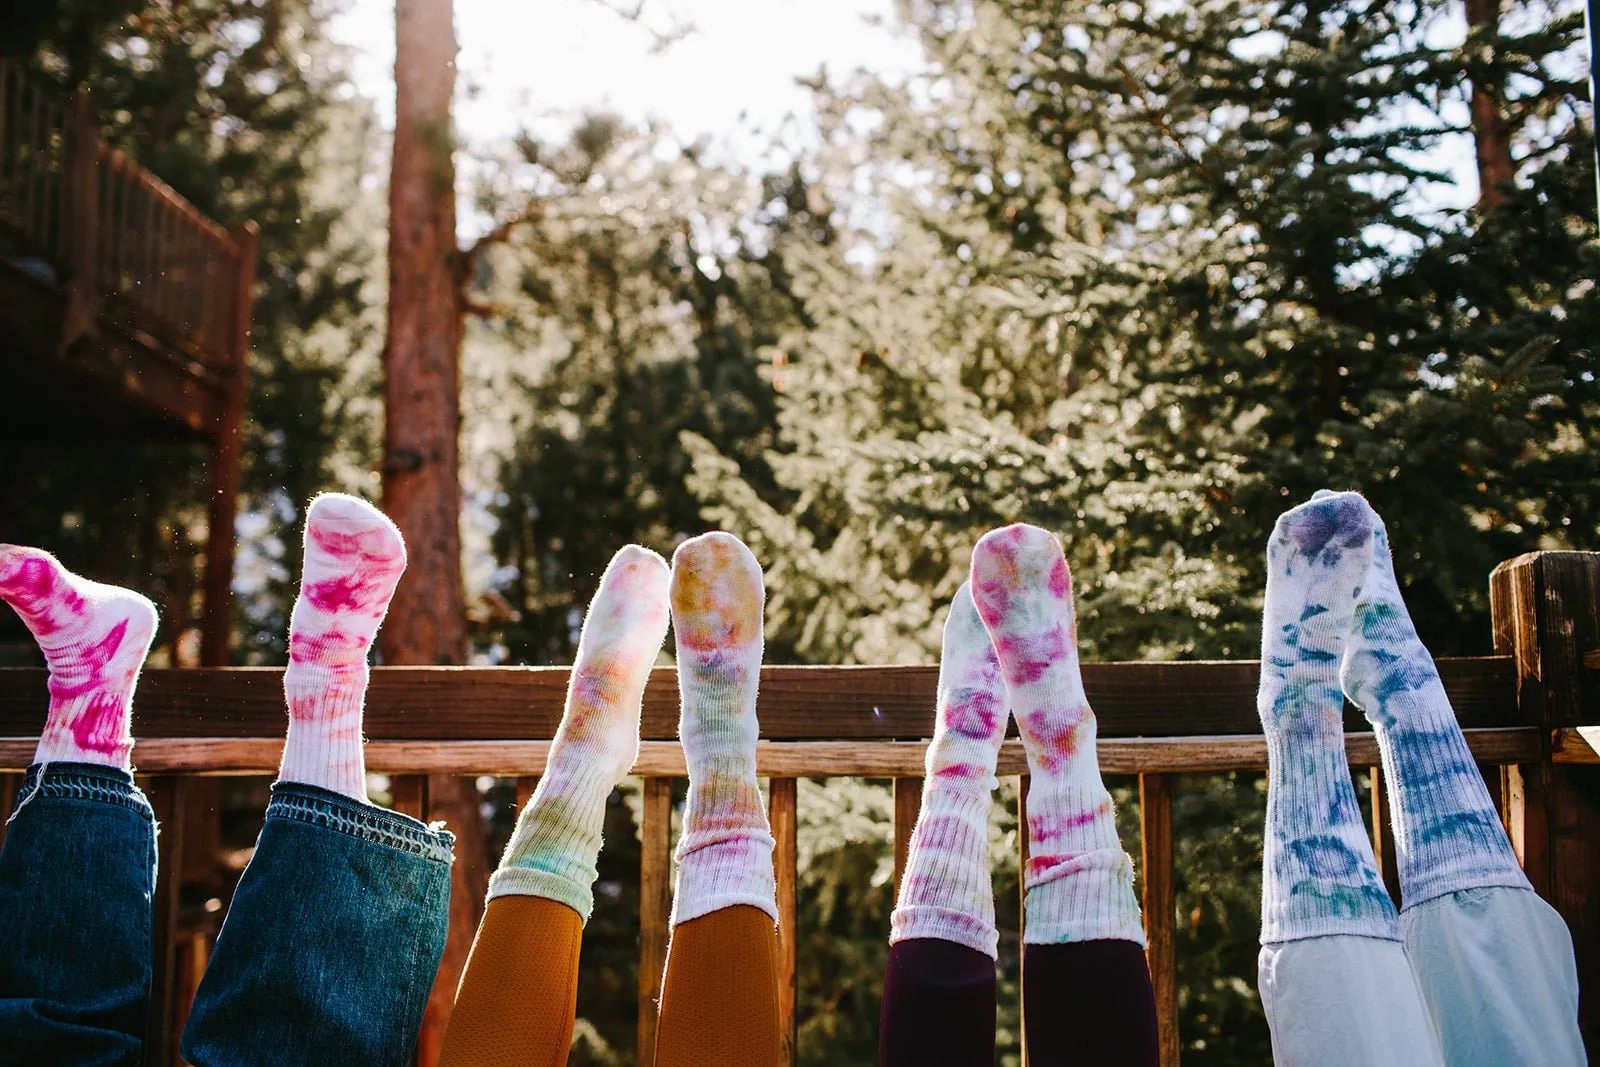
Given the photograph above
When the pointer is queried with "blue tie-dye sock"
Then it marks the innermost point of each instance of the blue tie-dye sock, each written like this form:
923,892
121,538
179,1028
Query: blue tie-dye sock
1447,833
1319,876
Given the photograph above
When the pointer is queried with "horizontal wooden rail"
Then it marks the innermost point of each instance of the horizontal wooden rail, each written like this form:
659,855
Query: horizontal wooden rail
774,759
797,703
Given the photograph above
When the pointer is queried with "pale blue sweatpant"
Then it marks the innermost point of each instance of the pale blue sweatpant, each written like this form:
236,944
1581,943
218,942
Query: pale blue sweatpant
1484,978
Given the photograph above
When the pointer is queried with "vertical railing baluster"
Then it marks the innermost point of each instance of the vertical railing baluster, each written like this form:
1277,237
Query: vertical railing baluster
1383,834
907,803
168,797
1022,910
655,908
783,815
1160,907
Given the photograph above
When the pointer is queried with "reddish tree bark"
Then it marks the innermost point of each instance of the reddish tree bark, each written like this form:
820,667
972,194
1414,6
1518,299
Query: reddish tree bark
422,404
422,388
1491,133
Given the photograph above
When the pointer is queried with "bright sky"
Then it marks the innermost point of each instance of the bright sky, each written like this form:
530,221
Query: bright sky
539,63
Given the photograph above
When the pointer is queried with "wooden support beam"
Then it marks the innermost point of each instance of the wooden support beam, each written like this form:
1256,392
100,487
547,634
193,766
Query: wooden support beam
1131,700
1546,612
8,782
1383,834
783,815
655,908
774,759
1022,910
907,805
1160,907
169,799
227,455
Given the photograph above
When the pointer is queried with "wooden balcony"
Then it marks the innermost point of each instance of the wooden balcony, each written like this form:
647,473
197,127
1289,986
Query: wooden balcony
1527,715
124,311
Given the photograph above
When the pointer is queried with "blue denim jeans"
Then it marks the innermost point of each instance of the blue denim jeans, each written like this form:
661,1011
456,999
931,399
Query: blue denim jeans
327,953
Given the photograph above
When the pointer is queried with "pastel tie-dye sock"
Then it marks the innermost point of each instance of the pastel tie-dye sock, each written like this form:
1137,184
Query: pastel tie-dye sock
1447,832
1319,874
354,557
94,638
556,844
725,855
1080,881
946,891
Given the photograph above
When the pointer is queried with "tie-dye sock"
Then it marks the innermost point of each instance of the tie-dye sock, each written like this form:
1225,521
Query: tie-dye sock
725,856
1080,881
556,844
94,638
1319,874
946,891
1447,833
354,557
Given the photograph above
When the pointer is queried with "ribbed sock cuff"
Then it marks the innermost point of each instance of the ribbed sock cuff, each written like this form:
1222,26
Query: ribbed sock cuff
75,733
555,849
735,870
946,891
1089,899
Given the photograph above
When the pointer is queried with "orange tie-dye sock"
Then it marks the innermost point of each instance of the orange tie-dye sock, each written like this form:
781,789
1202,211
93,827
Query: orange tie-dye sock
725,855
354,557
94,638
556,844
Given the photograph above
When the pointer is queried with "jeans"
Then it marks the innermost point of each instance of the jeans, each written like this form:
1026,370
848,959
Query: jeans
327,953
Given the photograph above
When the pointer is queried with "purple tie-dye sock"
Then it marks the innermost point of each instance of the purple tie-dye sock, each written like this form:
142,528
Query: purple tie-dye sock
1447,833
946,890
1319,876
94,638
1080,881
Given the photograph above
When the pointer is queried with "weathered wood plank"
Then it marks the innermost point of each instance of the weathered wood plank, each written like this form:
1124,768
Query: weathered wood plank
1160,907
776,759
1022,909
907,805
1577,744
797,703
655,908
169,799
9,783
783,815
1546,612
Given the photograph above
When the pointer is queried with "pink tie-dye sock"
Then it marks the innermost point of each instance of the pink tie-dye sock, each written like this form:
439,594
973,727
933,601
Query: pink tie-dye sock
725,855
354,557
1080,881
946,891
555,847
94,638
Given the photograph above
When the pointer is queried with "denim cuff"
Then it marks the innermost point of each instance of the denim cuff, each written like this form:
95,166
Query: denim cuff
316,806
82,781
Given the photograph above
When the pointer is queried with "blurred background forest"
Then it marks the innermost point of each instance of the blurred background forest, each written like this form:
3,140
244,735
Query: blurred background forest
1144,273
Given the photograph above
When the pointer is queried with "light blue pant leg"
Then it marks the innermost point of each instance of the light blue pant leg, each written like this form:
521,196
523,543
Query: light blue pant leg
1497,972
1342,1000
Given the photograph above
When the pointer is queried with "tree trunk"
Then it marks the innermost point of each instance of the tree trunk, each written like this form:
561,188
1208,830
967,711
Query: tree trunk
421,480
422,404
1490,131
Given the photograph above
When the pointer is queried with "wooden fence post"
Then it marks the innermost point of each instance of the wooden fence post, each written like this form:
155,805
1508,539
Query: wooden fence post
227,452
783,815
1546,612
655,908
1160,907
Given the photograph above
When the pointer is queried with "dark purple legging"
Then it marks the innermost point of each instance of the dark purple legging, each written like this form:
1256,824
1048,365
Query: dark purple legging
1086,1003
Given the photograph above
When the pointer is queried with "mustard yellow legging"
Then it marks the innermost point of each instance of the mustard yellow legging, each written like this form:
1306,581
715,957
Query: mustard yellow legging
519,992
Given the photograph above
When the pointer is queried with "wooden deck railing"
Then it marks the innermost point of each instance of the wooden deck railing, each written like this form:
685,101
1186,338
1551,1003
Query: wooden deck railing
1526,713
127,250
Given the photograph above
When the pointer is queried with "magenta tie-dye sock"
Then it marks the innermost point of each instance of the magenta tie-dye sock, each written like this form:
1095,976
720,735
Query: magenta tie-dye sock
946,891
354,557
554,850
94,638
725,855
1080,881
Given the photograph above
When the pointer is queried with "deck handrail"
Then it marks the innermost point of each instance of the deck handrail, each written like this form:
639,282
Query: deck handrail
1158,721
123,246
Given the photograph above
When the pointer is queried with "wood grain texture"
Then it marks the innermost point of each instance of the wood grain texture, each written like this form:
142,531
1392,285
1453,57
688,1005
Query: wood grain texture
1160,908
783,816
796,703
1546,611
907,805
774,759
1577,744
168,799
655,908
1382,833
